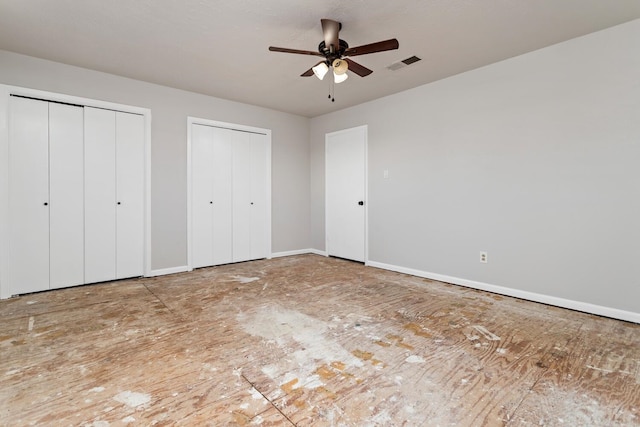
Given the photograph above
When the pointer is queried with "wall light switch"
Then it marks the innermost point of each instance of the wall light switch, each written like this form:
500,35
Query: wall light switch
385,174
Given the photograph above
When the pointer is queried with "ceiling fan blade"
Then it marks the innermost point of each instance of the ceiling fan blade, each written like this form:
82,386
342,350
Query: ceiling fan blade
330,30
360,70
298,51
372,47
309,72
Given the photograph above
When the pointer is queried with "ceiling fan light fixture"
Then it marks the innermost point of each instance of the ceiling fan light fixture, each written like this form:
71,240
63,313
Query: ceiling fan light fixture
320,70
340,66
339,78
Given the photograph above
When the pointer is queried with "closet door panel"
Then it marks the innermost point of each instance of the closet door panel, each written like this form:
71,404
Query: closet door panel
129,195
66,195
241,196
222,169
28,196
259,183
202,195
100,195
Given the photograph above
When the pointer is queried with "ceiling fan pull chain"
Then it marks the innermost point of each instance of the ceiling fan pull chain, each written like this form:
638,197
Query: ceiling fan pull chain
332,89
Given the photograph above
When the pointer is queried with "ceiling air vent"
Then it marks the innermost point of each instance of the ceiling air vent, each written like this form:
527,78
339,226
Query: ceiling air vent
401,64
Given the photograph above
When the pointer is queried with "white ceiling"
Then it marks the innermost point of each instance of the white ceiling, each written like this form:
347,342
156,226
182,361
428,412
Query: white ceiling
219,48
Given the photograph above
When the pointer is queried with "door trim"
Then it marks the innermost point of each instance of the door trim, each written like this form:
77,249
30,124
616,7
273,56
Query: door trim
366,187
232,126
5,92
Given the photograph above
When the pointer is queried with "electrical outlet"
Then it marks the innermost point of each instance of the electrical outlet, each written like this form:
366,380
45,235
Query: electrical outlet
484,257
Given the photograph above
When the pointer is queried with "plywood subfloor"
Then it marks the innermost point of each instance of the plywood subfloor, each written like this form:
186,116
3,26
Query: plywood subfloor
308,340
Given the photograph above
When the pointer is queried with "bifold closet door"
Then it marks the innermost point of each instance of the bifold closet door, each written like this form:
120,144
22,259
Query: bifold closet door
76,195
46,195
114,194
250,184
129,195
66,195
100,194
212,195
28,196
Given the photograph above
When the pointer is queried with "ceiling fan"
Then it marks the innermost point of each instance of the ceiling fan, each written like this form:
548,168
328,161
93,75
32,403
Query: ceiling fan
337,53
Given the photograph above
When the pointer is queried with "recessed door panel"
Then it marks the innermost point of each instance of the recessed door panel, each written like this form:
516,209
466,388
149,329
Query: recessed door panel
129,195
28,196
259,185
202,195
222,196
100,194
241,196
66,195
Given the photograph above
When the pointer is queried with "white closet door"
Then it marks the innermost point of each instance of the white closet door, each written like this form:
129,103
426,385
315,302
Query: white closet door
100,195
202,195
66,195
28,196
241,196
129,195
222,169
259,178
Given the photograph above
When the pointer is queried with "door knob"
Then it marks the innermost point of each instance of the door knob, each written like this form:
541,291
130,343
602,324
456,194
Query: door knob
46,204
118,202
210,203
361,203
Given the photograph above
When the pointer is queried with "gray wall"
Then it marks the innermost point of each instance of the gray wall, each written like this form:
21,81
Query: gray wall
535,160
169,109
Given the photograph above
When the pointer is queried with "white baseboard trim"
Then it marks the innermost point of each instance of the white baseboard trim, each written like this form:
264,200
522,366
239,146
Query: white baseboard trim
318,252
599,310
290,253
165,271
298,252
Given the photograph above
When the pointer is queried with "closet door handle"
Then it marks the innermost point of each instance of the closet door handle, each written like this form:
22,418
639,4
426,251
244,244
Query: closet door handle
46,204
361,203
210,203
118,202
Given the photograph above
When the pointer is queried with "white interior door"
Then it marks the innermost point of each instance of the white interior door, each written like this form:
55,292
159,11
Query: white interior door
345,193
241,196
28,196
100,194
222,168
66,195
129,195
201,195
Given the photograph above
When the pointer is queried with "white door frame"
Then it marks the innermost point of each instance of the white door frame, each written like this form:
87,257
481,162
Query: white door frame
207,122
366,188
5,92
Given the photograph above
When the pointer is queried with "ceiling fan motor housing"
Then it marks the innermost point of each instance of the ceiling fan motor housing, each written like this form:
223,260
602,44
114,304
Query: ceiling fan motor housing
327,53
